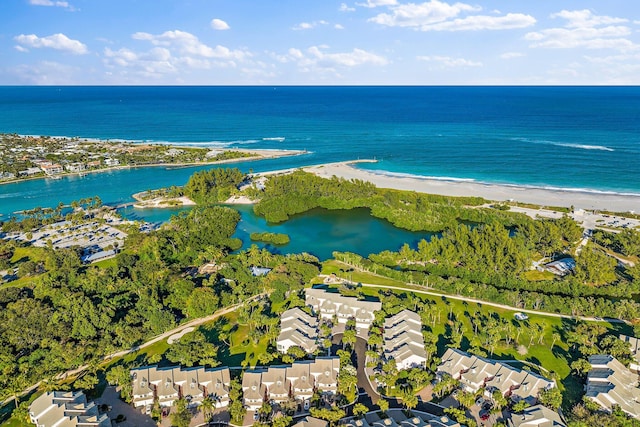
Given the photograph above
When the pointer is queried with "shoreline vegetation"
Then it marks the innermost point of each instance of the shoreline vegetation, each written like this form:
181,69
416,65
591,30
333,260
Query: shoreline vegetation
278,239
611,202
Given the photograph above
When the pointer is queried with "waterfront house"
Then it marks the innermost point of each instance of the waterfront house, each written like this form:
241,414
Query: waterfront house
75,167
66,409
51,168
29,172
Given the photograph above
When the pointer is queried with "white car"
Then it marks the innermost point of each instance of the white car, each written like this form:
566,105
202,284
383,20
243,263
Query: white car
520,316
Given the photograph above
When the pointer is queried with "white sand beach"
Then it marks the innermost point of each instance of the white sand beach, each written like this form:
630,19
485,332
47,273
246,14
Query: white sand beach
539,196
162,202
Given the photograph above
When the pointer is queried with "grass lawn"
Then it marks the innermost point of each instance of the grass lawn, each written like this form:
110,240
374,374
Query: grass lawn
555,362
537,276
241,347
21,282
105,263
343,270
33,253
16,423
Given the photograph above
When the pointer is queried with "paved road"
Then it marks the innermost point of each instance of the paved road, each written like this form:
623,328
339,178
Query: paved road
363,380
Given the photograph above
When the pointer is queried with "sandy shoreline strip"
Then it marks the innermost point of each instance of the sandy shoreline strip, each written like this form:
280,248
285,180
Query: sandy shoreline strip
495,192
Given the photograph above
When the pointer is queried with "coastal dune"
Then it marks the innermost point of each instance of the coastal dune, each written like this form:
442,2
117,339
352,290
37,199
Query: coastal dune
539,196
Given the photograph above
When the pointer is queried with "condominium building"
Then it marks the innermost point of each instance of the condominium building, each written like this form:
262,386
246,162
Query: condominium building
634,346
475,372
403,340
298,381
536,416
329,305
66,409
610,383
297,328
254,393
166,385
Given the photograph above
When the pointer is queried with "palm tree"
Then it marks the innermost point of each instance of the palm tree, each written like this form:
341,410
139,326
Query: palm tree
409,401
208,406
555,337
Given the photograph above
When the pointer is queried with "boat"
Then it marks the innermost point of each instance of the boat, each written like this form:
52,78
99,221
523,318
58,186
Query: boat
275,138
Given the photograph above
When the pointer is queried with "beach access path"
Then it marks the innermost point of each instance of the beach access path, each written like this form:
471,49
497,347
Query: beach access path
419,289
178,329
539,196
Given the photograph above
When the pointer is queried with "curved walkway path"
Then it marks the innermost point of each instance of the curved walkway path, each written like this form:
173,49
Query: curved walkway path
493,304
419,289
191,324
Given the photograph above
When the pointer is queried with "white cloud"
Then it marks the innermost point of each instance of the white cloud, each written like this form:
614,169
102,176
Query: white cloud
173,53
63,4
219,24
418,15
377,3
55,41
450,62
585,18
345,8
345,59
484,22
338,27
309,25
584,30
317,59
511,55
188,44
436,15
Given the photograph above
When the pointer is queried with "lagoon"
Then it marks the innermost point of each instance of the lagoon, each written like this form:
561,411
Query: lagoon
319,231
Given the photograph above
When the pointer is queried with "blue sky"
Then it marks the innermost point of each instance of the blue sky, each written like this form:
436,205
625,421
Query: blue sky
395,42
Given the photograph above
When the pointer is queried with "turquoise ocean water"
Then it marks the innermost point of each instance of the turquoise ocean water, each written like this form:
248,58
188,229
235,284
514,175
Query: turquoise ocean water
561,137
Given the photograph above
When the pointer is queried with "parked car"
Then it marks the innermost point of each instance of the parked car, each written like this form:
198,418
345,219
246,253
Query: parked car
480,401
520,316
484,415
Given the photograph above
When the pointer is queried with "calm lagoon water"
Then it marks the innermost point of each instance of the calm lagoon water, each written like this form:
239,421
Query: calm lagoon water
319,231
